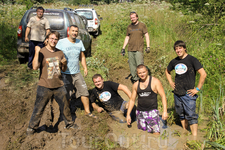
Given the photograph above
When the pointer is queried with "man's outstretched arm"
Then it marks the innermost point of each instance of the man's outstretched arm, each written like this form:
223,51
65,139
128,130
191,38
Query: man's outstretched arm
147,39
169,78
96,107
125,89
35,62
126,42
83,63
161,92
26,34
131,102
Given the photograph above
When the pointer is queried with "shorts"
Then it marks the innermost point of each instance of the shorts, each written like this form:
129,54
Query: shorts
148,120
75,82
185,107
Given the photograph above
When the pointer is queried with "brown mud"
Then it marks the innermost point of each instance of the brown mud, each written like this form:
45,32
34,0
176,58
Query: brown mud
104,133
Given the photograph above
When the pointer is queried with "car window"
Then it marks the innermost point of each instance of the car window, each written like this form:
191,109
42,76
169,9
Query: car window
69,19
77,21
88,14
81,23
96,14
72,18
56,19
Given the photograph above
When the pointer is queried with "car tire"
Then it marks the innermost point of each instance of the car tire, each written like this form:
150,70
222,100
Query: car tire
23,58
97,32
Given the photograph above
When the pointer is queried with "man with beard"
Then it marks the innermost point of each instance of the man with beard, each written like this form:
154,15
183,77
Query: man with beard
73,50
38,27
51,61
147,89
135,40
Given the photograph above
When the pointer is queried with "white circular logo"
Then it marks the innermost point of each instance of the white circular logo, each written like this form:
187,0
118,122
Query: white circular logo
180,69
105,96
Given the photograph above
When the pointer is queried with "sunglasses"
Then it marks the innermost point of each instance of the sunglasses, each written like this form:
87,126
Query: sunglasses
133,12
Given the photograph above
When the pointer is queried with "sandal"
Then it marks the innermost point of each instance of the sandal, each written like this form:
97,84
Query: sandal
91,116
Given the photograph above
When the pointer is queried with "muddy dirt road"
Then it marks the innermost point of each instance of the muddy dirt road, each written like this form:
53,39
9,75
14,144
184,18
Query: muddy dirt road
17,104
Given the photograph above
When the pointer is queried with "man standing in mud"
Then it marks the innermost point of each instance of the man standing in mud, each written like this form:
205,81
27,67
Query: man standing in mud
185,92
147,89
106,93
74,49
135,40
38,27
51,61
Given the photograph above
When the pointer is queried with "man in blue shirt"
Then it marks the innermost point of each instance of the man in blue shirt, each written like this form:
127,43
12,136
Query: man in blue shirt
73,50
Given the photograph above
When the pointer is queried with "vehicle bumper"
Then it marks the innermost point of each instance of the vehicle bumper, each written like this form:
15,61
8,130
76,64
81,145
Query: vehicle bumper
90,29
22,48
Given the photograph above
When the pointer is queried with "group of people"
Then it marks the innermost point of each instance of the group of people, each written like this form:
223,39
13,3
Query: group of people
147,87
60,78
60,75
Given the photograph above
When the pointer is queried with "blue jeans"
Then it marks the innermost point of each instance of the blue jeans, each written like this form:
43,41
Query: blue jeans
185,107
43,96
32,45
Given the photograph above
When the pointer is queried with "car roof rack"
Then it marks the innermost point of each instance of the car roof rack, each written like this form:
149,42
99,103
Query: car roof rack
86,6
70,9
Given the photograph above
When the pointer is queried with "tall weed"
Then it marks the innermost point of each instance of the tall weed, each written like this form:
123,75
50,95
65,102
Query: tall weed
10,16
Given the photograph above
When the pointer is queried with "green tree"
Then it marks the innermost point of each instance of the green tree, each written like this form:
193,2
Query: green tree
212,8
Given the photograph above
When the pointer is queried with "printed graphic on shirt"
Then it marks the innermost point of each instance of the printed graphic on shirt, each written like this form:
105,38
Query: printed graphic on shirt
180,69
135,30
104,96
52,67
144,94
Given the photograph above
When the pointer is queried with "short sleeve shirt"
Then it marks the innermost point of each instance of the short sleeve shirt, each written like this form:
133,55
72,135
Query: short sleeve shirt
185,70
136,36
50,73
108,96
72,53
38,28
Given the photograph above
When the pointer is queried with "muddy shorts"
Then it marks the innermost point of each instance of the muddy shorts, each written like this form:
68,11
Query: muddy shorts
185,107
74,83
148,120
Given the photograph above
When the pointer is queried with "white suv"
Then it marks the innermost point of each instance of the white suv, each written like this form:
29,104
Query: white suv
92,18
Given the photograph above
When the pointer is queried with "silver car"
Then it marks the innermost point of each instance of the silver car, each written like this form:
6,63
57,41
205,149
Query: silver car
92,18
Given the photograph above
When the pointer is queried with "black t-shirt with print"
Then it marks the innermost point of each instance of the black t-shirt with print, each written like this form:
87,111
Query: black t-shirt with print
185,70
108,96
